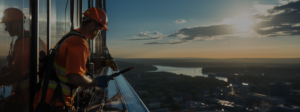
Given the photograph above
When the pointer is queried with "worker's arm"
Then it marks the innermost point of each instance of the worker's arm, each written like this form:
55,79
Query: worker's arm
77,53
84,81
81,80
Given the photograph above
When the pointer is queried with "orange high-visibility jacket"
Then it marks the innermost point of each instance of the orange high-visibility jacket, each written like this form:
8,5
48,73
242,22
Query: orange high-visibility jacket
71,58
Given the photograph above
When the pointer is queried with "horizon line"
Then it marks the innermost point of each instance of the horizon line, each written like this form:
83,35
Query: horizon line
202,58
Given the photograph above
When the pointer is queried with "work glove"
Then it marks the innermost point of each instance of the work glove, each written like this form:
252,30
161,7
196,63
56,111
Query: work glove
103,81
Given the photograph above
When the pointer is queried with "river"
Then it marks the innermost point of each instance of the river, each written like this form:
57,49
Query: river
196,71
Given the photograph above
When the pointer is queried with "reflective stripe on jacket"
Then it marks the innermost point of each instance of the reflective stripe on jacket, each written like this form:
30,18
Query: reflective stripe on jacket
60,72
65,88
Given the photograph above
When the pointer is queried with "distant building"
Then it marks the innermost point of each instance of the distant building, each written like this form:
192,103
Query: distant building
278,88
155,105
218,91
178,99
237,79
295,92
194,105
271,100
286,108
222,110
224,91
211,75
153,100
163,98
180,94
143,92
222,102
188,97
227,105
235,87
201,97
161,110
244,88
205,91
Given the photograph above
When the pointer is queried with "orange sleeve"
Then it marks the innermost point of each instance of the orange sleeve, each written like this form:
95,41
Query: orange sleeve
21,56
76,57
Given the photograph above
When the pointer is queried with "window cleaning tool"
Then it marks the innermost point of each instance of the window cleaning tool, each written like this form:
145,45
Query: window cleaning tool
122,71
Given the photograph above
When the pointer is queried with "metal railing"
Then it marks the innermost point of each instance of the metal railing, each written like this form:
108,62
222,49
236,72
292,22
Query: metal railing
118,96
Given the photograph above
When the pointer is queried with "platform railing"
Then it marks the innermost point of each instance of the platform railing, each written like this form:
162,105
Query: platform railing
118,96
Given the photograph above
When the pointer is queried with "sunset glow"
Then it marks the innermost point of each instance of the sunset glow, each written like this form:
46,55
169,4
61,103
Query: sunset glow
235,29
241,23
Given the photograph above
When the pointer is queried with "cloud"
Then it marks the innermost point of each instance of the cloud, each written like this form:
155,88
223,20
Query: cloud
183,35
147,36
199,33
281,20
263,9
269,20
202,32
283,2
26,11
180,21
163,43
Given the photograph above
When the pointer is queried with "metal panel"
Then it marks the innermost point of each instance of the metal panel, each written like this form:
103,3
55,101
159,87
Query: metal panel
33,49
72,14
79,11
48,26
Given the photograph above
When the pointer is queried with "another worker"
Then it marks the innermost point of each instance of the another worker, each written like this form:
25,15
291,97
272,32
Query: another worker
15,72
70,63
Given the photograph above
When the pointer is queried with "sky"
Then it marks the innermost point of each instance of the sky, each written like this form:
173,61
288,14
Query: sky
183,29
204,29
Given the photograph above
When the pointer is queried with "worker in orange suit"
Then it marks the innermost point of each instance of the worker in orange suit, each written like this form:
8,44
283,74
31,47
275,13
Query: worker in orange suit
16,71
70,63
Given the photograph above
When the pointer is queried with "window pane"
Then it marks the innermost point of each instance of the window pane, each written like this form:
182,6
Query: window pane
42,29
60,20
14,55
85,5
75,15
94,3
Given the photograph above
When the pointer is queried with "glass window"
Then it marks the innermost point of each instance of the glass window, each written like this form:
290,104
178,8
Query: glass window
94,3
60,20
75,23
43,21
85,5
42,29
14,55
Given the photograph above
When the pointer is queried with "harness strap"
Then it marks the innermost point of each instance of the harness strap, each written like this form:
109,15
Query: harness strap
46,83
58,95
57,92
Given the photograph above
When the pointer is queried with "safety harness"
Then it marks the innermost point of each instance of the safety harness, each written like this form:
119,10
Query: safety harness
49,73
